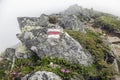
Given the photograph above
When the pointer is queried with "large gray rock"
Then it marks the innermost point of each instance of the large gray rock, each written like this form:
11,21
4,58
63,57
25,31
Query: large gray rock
64,47
69,19
66,21
42,75
71,22
43,20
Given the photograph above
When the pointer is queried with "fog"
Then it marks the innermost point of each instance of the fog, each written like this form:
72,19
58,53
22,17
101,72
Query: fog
11,9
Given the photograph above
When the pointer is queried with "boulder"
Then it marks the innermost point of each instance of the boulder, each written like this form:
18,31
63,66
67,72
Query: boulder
71,22
63,47
42,75
68,20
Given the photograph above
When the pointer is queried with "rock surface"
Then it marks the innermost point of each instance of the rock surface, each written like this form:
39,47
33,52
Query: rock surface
64,47
42,75
65,20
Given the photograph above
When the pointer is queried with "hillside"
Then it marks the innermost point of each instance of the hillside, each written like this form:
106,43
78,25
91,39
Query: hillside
76,44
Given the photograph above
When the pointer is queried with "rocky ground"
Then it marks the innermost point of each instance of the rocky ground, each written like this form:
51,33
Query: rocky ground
113,41
82,51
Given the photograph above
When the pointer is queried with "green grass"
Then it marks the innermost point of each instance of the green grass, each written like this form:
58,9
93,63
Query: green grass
110,24
26,66
93,43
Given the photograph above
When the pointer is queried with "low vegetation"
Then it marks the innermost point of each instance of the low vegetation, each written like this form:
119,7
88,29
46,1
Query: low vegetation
101,69
93,43
110,24
4,68
25,66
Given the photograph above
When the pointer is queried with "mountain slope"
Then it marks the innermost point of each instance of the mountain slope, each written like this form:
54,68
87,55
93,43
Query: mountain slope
77,53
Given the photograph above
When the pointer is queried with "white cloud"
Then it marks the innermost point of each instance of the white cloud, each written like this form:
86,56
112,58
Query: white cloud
10,9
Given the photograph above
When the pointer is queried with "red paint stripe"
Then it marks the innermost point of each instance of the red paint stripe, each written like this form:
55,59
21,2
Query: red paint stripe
53,33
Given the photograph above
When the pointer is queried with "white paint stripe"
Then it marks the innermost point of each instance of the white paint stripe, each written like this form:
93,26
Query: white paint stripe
57,30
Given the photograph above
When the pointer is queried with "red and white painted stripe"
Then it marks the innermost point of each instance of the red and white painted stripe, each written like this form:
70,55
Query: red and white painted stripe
53,33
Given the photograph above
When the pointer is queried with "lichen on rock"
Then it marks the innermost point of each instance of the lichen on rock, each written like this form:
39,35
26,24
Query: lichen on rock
29,28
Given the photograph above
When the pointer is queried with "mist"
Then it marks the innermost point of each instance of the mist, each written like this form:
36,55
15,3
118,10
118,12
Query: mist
11,9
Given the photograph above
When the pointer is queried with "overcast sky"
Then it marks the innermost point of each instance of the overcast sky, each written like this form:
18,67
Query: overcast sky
11,9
